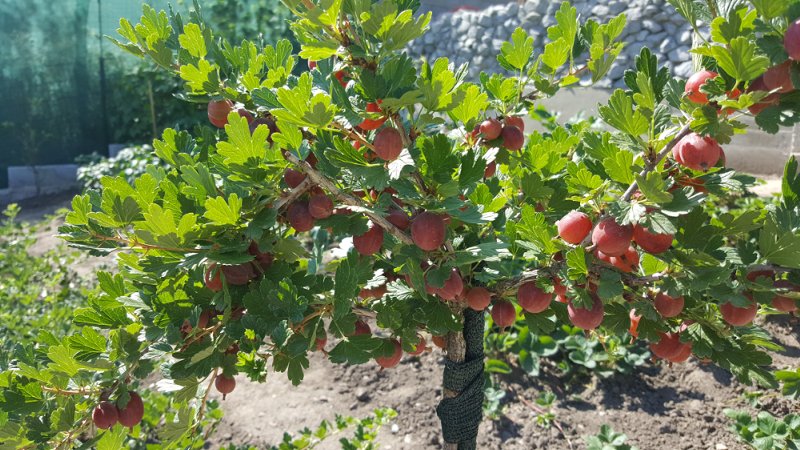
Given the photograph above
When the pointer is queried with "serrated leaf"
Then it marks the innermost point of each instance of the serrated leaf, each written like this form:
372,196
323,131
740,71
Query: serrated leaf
619,113
221,212
470,107
518,52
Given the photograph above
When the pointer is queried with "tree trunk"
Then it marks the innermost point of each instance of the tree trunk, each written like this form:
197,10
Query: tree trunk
461,408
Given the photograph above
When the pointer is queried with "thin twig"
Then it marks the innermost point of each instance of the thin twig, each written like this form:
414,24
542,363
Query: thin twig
650,166
348,199
294,194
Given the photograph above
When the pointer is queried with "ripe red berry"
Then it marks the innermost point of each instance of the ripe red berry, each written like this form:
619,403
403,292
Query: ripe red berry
558,288
772,99
612,238
491,169
370,242
320,341
132,413
503,313
362,328
387,362
299,217
224,384
791,40
340,75
452,286
293,178
372,124
399,218
627,262
376,292
737,316
587,318
697,152
533,299
633,329
264,260
105,415
491,129
651,242
694,83
246,114
218,112
668,306
574,227
513,138
212,278
239,274
312,65
515,121
783,303
670,347
320,206
438,341
779,77
478,298
388,144
428,231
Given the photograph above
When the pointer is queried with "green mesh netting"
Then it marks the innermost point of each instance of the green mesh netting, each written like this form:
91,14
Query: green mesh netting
461,415
60,101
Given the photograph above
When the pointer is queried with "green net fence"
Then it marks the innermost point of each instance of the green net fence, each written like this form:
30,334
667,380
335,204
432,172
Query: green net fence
67,91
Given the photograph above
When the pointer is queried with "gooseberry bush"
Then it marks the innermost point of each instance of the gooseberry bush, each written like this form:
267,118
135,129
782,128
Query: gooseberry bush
235,258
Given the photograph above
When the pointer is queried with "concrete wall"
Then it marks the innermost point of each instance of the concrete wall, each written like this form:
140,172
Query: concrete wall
32,181
756,152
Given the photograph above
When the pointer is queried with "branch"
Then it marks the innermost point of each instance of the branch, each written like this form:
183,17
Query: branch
649,167
324,182
294,194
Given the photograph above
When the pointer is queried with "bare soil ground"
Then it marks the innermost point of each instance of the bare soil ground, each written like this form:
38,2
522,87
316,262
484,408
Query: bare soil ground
659,407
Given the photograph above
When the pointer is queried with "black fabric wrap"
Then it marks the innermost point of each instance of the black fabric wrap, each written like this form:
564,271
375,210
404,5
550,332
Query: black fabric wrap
461,415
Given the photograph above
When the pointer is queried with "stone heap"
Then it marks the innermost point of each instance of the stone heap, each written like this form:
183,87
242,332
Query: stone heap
476,36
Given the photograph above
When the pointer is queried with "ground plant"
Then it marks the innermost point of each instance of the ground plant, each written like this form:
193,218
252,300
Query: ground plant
374,205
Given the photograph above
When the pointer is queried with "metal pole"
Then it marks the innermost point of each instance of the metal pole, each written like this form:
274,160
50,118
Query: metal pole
103,108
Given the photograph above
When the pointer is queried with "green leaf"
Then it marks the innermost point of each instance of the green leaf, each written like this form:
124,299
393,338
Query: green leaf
221,212
201,78
566,26
654,188
354,349
619,113
619,167
88,344
243,148
740,59
779,246
770,9
474,102
790,186
740,22
577,267
556,54
192,40
518,52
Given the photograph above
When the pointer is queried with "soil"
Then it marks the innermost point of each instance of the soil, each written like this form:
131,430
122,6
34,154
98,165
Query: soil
658,407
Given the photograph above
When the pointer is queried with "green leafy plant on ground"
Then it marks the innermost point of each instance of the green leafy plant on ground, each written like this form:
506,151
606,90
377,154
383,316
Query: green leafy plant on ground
450,207
366,430
765,431
130,163
607,439
38,293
